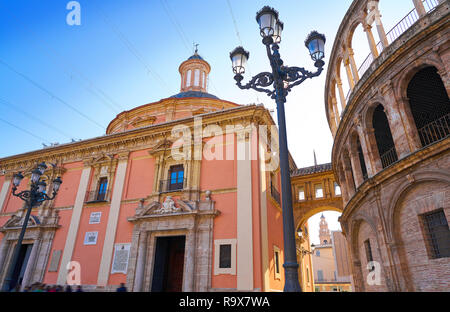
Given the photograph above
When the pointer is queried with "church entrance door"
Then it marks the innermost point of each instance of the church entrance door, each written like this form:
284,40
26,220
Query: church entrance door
169,264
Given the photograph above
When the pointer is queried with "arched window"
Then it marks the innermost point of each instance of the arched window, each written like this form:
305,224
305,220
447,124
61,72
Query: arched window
197,78
361,160
188,78
430,105
383,136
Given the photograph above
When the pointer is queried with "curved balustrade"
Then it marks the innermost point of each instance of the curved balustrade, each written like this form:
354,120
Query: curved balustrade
410,19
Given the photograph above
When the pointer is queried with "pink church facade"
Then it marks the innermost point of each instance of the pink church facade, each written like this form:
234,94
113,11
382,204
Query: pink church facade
179,195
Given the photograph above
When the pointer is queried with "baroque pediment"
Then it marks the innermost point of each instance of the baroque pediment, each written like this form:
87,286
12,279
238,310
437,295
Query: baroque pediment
143,121
16,221
169,206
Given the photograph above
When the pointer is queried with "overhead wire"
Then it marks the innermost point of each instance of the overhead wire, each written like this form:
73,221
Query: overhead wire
184,38
238,35
132,49
91,87
33,117
52,95
25,131
176,24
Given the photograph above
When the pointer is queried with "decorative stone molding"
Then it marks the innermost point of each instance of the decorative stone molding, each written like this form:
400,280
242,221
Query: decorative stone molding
195,221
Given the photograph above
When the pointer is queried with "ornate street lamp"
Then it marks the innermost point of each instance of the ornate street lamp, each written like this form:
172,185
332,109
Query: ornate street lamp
33,197
283,79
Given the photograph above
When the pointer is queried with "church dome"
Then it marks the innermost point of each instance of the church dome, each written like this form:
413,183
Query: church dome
192,100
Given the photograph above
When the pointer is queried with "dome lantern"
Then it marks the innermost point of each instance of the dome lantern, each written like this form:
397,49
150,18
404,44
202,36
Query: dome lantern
194,74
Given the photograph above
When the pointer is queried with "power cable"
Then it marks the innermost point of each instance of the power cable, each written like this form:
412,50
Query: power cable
184,38
90,85
33,117
132,49
239,39
53,96
25,131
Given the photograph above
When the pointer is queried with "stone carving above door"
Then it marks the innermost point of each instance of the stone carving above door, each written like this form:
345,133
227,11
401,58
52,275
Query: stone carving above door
168,207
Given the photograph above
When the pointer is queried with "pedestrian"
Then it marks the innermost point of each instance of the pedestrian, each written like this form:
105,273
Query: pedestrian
79,289
122,288
16,288
68,288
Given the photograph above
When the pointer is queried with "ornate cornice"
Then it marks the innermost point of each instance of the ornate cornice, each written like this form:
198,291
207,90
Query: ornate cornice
132,140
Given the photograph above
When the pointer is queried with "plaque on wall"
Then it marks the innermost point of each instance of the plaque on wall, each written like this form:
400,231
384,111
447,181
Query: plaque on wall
90,238
55,261
95,218
121,255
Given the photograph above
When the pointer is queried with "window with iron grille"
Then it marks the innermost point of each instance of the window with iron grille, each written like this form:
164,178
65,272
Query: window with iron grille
320,276
102,186
369,255
277,262
362,161
225,257
438,234
383,137
430,105
176,178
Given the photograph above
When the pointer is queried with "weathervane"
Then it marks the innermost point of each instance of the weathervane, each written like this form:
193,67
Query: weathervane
196,47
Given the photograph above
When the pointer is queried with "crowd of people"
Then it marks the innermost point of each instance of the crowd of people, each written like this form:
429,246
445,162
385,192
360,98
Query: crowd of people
40,287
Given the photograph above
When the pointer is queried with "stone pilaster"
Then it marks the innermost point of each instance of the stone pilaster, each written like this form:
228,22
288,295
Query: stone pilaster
113,216
74,224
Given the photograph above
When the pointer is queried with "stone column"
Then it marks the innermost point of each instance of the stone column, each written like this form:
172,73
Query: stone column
396,123
113,217
356,166
351,81
191,259
341,93
27,277
264,218
244,214
74,224
336,112
375,16
349,179
374,160
343,184
140,264
4,247
333,125
351,56
418,4
5,191
371,40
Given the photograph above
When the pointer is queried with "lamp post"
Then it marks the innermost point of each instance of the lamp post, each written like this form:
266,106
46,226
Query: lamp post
283,79
33,198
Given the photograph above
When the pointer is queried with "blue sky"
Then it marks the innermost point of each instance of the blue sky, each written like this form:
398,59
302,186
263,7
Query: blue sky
59,82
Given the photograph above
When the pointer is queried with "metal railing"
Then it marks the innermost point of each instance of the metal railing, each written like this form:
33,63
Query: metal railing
396,31
435,131
96,197
389,158
275,194
173,185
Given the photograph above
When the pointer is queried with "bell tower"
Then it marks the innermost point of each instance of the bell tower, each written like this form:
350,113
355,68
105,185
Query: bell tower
324,232
194,74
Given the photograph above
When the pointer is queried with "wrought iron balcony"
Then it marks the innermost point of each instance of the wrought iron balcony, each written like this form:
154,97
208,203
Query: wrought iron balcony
97,197
435,131
275,194
411,18
167,186
389,158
